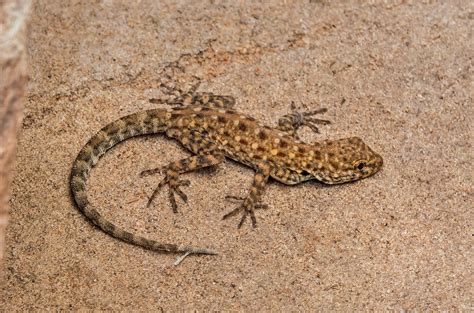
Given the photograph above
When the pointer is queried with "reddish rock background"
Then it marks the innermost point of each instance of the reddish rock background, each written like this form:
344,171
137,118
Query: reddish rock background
13,77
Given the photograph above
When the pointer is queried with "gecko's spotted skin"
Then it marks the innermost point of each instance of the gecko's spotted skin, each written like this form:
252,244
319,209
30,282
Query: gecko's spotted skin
207,126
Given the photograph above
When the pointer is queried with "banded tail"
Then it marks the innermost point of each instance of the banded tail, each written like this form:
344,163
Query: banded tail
141,123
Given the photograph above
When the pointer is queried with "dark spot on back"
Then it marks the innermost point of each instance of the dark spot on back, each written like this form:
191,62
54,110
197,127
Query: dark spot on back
334,164
281,154
244,142
221,119
283,143
242,126
262,135
202,159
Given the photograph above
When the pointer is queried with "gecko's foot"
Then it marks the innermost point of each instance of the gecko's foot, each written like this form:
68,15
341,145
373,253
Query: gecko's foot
183,98
176,96
205,99
311,122
247,207
174,184
293,121
240,200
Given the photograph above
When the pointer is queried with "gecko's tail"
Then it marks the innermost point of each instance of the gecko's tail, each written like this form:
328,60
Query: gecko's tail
142,123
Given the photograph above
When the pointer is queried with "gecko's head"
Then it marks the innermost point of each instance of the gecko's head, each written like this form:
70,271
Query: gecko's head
345,160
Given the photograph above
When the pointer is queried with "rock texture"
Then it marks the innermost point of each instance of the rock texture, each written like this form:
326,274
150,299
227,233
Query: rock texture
13,78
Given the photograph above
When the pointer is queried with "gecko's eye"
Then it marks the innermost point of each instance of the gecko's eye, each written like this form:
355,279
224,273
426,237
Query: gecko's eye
360,166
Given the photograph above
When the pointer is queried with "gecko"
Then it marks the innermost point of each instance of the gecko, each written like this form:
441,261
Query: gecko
208,126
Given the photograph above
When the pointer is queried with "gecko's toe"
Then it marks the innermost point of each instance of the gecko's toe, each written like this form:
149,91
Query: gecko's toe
244,217
181,194
240,200
185,182
232,213
247,208
174,188
242,220
151,172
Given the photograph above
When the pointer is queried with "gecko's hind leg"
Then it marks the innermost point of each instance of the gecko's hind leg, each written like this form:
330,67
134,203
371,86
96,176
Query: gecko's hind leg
205,99
290,123
191,97
173,171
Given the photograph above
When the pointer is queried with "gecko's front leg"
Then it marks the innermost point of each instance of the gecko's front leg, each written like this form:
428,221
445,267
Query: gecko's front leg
252,201
290,123
173,171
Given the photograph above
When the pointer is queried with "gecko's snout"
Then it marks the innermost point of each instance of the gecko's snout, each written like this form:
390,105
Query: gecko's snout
369,165
378,162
